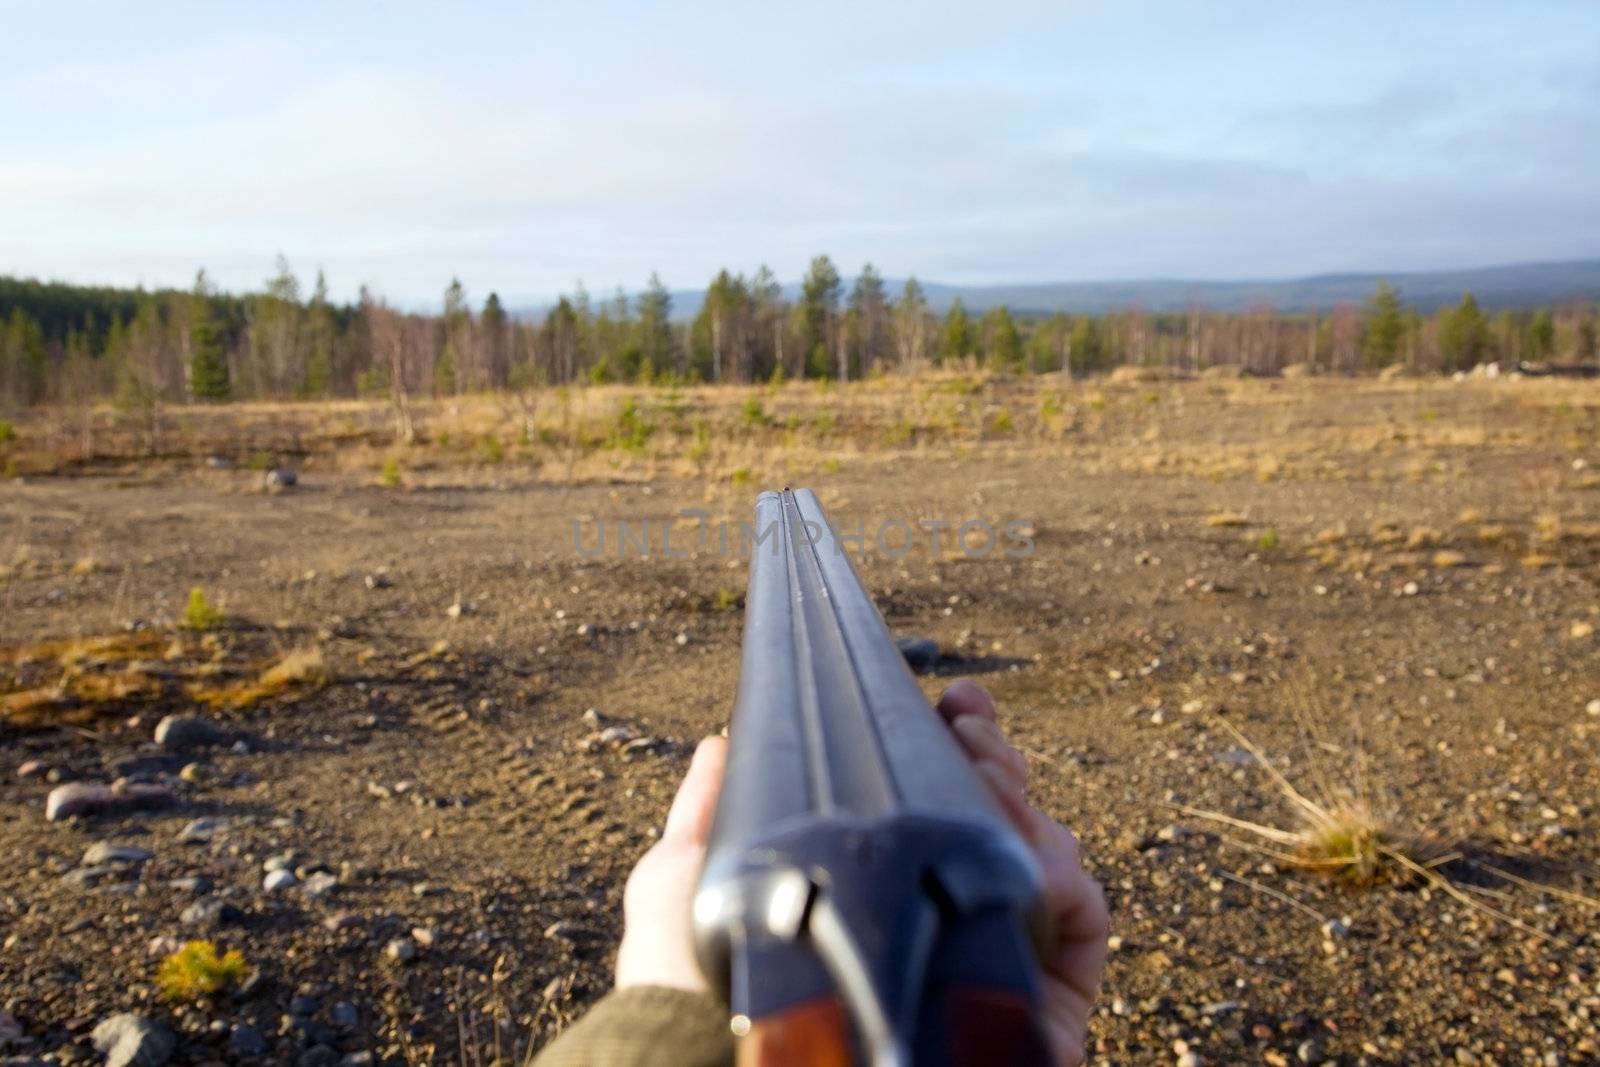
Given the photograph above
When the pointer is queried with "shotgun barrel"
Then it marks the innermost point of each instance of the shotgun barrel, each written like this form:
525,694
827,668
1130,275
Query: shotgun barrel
864,900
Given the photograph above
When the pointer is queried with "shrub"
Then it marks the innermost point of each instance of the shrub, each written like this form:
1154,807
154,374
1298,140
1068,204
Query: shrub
390,474
726,599
700,448
197,970
741,476
260,461
1002,421
1268,540
824,421
753,414
631,430
8,432
200,614
493,451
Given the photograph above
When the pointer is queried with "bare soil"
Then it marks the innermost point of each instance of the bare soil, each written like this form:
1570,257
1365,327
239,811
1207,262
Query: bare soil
1388,587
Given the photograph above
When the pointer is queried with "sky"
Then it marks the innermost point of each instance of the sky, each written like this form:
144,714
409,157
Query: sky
526,147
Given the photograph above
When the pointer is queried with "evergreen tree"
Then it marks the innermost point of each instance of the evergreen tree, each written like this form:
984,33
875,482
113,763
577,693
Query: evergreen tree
1541,340
208,362
911,323
22,359
1385,327
1463,335
819,305
655,324
869,319
1086,351
955,340
321,335
494,325
1003,341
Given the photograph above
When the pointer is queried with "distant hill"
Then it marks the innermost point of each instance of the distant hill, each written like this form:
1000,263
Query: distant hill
1515,285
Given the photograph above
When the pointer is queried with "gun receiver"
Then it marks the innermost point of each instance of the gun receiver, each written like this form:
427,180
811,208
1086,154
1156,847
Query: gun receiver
864,900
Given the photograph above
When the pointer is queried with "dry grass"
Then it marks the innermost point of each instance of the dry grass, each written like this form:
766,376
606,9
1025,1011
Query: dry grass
1342,834
1225,519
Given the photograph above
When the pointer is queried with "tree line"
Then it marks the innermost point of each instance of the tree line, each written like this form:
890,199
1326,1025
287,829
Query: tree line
78,345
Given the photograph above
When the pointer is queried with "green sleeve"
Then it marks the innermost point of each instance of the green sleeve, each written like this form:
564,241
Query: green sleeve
645,1026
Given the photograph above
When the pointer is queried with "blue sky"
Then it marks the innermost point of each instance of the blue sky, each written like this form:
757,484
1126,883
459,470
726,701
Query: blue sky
523,147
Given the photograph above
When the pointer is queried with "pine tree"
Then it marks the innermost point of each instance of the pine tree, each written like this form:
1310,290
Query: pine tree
1463,335
955,340
1541,339
1004,343
208,363
911,323
819,305
321,333
1385,327
655,324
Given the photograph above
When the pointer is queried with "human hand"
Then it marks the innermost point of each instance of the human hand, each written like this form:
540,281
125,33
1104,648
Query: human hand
1074,965
657,941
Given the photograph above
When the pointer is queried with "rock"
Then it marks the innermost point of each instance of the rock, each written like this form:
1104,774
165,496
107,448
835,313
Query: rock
108,852
344,920
144,767
378,580
129,1040
319,883
1335,928
279,879
318,1055
344,1015
920,653
193,773
193,883
1410,589
94,875
182,732
93,798
211,913
246,1042
281,478
357,1059
401,950
10,1029
1593,707
34,768
201,831
682,638
304,1005
425,936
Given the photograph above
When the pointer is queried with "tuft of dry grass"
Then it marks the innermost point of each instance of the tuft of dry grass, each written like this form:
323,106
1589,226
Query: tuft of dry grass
301,666
1343,836
1226,518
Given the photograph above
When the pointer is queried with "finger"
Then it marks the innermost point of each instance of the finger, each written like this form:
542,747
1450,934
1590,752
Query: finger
689,820
966,697
982,740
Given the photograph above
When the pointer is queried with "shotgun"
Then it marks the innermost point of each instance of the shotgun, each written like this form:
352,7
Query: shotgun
864,901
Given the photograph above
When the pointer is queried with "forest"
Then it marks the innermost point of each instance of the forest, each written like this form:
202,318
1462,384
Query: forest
69,344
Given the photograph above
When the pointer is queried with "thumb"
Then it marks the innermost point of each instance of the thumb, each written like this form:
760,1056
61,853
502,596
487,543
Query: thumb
689,820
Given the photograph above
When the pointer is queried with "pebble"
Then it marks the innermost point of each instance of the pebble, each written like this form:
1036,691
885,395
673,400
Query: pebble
344,1015
246,1042
200,831
130,1040
401,950
319,884
93,798
1593,707
211,913
276,880
34,768
1410,589
181,732
109,852
280,478
425,936
682,638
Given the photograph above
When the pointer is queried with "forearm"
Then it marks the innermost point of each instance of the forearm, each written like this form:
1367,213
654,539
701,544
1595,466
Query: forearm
644,1026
